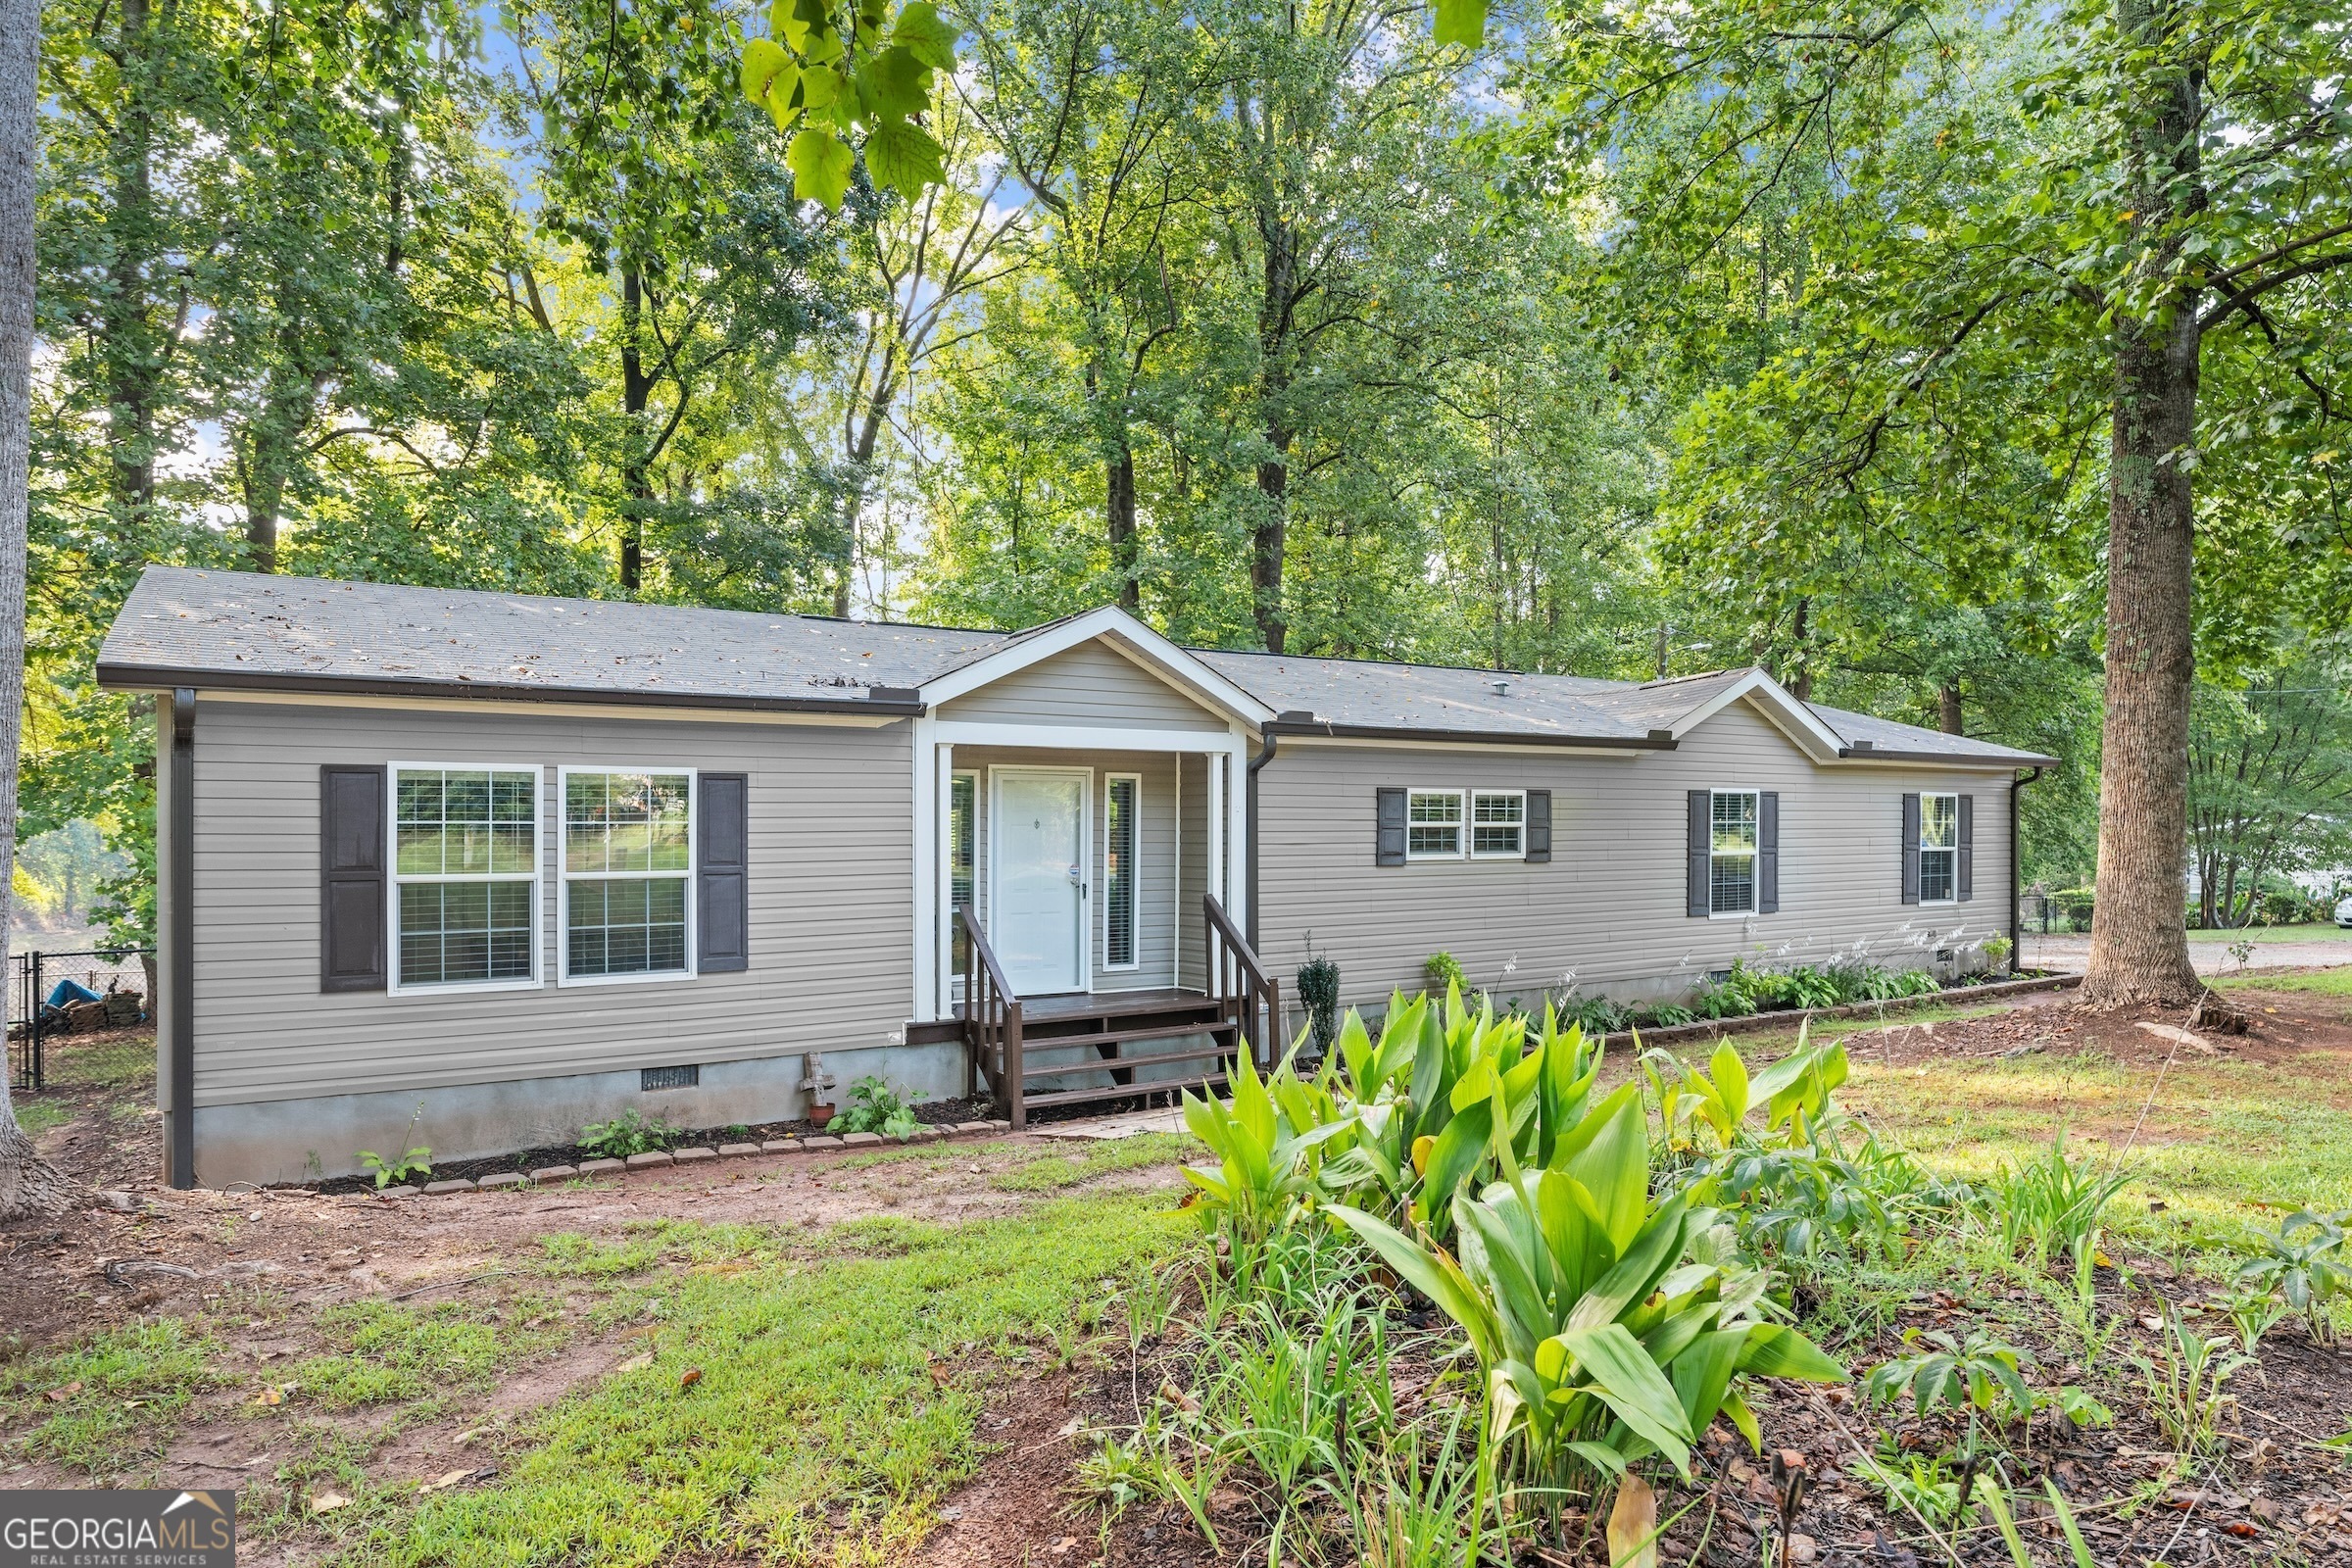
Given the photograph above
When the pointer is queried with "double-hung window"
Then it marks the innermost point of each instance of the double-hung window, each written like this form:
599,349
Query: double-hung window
1433,829
1938,849
1119,794
465,875
1732,853
628,862
1498,824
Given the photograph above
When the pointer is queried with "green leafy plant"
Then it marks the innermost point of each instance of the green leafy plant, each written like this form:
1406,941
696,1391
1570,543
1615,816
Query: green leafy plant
1608,1325
1996,948
2306,1261
2253,1309
631,1132
858,72
1793,1093
2051,1204
1981,1374
1921,1484
400,1167
2184,1381
875,1108
1444,972
1320,994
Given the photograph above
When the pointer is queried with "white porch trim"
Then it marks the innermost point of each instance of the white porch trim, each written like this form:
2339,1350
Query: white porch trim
1227,752
1131,637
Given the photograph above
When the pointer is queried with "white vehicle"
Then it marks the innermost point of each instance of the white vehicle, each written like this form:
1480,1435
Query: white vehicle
2343,911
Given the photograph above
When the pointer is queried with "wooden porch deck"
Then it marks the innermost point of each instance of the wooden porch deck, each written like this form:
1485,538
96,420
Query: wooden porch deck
1033,1053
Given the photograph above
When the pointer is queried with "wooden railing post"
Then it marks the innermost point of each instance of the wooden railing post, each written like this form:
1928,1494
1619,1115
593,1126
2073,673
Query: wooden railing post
1016,1079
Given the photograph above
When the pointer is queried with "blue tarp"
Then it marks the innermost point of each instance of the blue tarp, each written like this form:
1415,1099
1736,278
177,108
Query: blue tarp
72,990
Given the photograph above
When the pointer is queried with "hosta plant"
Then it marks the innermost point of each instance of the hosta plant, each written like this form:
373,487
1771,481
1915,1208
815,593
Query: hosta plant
1609,1326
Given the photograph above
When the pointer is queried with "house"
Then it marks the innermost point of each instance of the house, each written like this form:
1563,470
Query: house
472,869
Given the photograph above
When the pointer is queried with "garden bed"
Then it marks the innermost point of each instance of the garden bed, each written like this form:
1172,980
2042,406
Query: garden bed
1714,1028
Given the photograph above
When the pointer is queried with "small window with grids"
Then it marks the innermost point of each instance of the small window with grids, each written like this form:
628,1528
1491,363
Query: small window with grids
1731,854
1938,849
1498,824
1433,829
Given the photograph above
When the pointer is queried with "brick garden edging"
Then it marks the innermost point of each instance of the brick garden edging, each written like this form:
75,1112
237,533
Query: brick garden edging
692,1154
1713,1028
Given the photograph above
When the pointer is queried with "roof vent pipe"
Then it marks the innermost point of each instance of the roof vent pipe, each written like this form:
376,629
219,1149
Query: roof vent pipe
1502,688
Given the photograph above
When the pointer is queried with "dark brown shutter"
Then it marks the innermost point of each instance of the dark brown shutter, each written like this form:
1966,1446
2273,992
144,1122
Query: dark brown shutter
722,880
1911,848
350,878
1768,852
1388,844
1539,825
1701,841
1967,848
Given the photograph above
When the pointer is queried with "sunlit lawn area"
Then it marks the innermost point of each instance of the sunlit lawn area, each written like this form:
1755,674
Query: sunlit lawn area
2264,935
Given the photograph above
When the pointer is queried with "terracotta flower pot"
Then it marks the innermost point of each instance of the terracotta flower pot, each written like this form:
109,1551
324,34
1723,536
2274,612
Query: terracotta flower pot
819,1116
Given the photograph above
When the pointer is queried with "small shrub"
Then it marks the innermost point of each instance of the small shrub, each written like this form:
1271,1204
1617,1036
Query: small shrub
1996,948
1320,994
2307,1261
2074,907
1446,972
630,1133
874,1108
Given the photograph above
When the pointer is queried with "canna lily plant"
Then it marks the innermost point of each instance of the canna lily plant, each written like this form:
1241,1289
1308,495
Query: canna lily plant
1609,1327
1269,1142
1793,1093
1442,1091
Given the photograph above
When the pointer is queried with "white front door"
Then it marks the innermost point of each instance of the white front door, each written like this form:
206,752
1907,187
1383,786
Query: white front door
1037,855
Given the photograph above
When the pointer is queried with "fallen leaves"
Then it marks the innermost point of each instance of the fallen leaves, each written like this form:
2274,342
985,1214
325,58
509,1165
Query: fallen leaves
329,1501
690,1377
59,1396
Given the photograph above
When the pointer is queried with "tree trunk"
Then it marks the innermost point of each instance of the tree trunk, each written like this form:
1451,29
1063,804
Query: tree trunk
1947,709
1800,675
1120,504
274,456
2138,941
133,356
29,1184
1270,540
636,395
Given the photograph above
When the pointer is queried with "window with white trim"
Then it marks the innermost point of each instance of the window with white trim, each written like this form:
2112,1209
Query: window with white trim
1732,853
1498,824
628,858
1119,794
963,793
1938,849
1433,825
465,875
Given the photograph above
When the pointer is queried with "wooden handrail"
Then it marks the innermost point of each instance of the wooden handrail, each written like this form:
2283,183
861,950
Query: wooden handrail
992,1019
1251,998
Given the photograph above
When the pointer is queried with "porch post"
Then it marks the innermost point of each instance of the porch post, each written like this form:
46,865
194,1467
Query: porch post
1213,809
1236,832
923,979
943,860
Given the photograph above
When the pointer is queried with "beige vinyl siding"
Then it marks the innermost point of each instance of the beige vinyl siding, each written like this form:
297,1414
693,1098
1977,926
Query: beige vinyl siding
830,901
1155,851
1087,685
1608,913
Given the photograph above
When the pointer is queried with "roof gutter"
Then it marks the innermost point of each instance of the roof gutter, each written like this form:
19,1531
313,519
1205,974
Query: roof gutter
1864,752
898,703
1656,740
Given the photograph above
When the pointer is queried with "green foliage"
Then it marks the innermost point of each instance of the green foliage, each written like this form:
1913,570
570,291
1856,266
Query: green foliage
1608,1326
1793,1093
400,1167
844,72
2185,1381
2050,1205
1320,994
2306,1263
875,1108
1444,972
1981,1374
632,1132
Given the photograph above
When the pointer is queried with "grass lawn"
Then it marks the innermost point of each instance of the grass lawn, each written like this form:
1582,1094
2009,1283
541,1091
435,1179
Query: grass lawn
2263,935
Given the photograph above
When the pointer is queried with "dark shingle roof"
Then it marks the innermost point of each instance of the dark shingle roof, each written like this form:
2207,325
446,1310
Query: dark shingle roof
244,628
229,629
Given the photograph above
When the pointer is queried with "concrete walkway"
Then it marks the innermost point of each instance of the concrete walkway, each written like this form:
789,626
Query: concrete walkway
2070,951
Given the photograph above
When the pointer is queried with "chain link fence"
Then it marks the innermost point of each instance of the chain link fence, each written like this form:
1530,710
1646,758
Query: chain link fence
55,994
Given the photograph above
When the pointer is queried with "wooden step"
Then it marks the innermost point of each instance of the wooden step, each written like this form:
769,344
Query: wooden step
1110,1037
1079,1096
1107,1063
